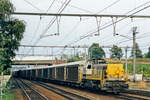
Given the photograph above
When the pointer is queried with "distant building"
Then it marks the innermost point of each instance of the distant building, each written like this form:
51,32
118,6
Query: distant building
60,62
34,61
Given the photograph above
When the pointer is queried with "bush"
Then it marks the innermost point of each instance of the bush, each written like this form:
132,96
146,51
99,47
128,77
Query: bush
7,72
140,69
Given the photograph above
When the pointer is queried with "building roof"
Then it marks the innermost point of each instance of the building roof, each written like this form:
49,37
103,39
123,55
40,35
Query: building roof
33,58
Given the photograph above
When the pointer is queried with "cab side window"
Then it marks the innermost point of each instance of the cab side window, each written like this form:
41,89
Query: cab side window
105,74
89,67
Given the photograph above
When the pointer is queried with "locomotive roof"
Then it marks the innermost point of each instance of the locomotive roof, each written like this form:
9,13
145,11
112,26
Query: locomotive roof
60,65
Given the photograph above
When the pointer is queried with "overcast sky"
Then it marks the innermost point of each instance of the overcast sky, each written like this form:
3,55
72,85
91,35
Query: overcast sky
72,28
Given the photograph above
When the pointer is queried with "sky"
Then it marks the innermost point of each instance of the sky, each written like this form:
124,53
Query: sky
73,28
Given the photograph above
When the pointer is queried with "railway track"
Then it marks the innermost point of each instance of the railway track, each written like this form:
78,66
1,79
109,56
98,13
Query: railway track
126,96
135,94
129,96
138,92
62,92
29,92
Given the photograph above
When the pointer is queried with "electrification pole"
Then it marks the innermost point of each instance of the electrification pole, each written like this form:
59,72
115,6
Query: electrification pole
85,54
74,51
33,51
126,68
52,56
134,52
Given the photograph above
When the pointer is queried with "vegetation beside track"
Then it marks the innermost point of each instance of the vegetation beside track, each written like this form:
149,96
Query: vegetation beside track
140,69
142,66
7,86
8,96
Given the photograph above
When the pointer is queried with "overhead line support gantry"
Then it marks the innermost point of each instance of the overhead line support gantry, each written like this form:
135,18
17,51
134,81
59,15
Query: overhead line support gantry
79,15
68,46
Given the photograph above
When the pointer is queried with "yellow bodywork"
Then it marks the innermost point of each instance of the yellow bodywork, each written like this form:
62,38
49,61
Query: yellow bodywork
94,74
112,71
115,71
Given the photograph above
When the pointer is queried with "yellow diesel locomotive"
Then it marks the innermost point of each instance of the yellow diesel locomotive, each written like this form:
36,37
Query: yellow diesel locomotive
108,77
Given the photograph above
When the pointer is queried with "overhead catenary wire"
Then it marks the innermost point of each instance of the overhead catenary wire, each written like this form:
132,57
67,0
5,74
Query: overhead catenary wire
139,36
32,5
50,5
54,18
136,38
108,6
88,11
128,40
52,21
133,9
77,24
104,10
73,6
46,12
138,7
108,38
36,29
91,33
39,23
69,33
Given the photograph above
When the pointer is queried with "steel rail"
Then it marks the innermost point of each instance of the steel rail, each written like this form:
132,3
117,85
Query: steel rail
72,96
132,97
26,94
138,92
35,91
64,93
121,95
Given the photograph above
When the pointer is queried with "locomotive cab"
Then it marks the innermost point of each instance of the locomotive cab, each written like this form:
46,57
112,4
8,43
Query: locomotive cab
93,75
109,77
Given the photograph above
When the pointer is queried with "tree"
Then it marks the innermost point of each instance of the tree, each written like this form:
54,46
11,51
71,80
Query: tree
64,57
75,58
116,52
96,52
10,35
147,55
138,52
5,9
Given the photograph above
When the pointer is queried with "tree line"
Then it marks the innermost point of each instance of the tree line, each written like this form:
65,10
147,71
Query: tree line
97,52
